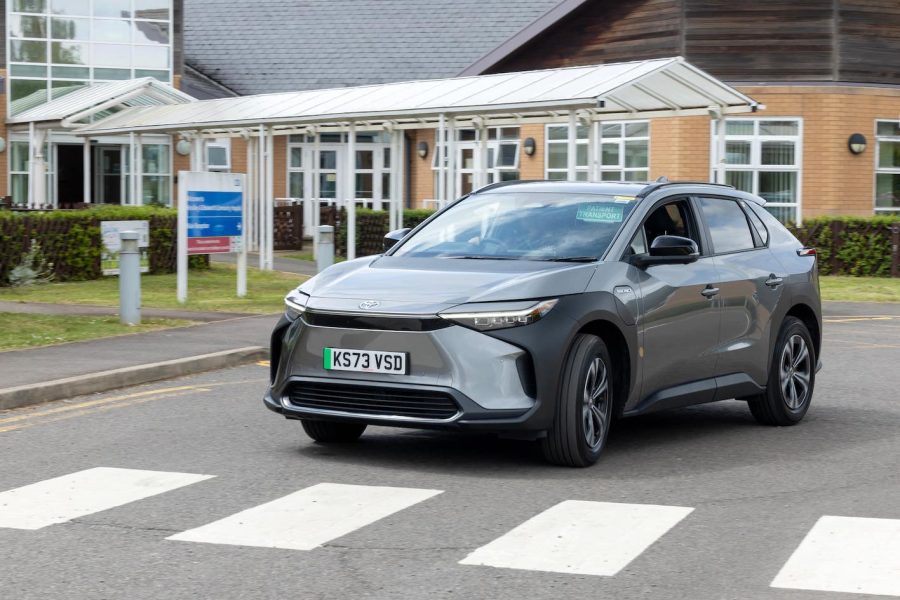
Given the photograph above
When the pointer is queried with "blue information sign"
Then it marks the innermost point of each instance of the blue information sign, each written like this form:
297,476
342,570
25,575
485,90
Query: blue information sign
214,214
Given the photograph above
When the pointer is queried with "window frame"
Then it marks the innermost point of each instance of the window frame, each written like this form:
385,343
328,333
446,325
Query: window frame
223,143
696,226
620,140
755,166
94,68
883,170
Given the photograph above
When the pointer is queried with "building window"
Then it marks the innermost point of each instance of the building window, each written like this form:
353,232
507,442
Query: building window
623,146
763,157
58,46
502,157
218,155
18,171
887,167
157,174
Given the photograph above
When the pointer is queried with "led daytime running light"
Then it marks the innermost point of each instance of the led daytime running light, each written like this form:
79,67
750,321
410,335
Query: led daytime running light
502,319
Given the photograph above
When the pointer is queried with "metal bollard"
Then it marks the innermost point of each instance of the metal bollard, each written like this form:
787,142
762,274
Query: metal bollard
129,279
325,249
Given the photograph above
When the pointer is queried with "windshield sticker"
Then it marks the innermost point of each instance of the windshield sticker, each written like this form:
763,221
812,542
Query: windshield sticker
600,213
624,198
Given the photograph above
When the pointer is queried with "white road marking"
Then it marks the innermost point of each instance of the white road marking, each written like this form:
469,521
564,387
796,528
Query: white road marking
585,538
83,493
309,518
846,554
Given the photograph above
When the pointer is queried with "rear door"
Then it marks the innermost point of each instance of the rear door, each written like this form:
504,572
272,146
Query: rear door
750,286
679,319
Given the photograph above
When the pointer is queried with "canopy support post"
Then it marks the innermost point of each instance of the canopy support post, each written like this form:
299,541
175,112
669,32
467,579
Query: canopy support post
572,147
451,163
394,193
593,159
250,193
718,123
351,192
440,157
483,155
270,200
138,169
316,192
261,193
400,161
86,170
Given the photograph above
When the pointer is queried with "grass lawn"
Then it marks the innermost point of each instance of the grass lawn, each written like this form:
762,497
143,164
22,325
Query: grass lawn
19,330
860,289
212,290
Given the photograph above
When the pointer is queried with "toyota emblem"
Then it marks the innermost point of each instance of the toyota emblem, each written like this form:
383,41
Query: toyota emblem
369,304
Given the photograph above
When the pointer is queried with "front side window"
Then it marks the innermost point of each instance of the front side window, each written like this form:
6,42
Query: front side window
887,169
728,226
522,226
763,157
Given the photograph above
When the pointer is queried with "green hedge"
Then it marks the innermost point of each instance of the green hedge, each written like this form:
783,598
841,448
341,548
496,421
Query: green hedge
371,227
70,239
859,246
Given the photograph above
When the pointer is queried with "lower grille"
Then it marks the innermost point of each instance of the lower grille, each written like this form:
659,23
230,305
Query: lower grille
375,401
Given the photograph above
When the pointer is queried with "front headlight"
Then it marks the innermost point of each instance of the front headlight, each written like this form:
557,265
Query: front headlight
488,316
295,304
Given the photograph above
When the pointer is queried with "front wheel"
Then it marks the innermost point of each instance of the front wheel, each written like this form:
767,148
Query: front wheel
584,406
332,431
792,378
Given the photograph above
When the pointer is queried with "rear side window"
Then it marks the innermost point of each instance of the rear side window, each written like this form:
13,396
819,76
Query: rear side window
728,225
758,224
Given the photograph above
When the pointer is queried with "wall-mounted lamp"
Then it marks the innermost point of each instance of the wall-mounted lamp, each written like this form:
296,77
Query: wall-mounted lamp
530,146
183,147
422,149
857,143
2,144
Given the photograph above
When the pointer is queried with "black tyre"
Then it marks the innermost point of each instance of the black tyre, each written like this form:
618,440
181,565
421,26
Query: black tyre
792,377
584,408
332,431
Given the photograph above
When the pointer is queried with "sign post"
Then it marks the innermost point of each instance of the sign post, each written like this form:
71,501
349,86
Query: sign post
211,220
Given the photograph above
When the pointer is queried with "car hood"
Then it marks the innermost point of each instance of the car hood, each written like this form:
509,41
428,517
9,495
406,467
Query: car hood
429,285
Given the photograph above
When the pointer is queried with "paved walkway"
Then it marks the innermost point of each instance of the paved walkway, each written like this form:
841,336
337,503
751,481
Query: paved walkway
41,308
36,365
287,265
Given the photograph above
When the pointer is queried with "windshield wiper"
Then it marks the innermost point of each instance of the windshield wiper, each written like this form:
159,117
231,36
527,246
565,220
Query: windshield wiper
584,259
483,257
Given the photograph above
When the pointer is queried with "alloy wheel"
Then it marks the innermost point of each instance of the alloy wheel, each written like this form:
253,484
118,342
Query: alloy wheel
795,372
595,408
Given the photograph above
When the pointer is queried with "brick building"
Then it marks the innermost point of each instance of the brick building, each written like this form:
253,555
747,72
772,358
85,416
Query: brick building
824,71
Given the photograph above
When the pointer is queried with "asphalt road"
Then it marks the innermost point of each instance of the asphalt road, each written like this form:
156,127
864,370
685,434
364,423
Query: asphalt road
756,493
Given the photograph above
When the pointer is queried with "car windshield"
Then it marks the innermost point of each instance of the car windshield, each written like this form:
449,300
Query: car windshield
523,226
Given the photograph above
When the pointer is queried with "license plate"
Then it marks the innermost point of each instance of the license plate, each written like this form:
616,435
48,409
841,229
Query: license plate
365,361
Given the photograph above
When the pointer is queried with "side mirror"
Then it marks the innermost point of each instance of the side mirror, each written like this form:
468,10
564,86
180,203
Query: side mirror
669,250
393,237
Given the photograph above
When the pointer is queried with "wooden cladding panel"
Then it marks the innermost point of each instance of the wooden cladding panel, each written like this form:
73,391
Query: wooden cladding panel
869,41
601,32
764,40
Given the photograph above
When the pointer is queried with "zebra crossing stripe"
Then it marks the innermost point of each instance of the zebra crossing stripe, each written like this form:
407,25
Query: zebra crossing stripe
83,493
846,554
585,538
308,518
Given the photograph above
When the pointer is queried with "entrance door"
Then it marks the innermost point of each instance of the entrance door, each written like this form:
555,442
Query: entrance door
70,175
108,181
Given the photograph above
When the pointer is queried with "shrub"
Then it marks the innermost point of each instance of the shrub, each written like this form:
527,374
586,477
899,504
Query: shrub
32,269
371,227
71,242
860,246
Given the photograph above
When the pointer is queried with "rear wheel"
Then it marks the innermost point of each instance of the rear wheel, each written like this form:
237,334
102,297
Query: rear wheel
584,406
792,378
332,431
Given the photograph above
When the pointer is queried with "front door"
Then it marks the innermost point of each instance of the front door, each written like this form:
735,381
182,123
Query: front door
108,180
679,320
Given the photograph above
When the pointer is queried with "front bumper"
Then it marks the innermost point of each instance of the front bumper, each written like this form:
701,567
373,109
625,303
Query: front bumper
491,381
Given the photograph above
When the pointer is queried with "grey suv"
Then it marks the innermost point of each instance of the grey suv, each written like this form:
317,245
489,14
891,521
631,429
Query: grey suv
545,310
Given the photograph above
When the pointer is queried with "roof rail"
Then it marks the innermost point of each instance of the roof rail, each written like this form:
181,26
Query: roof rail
659,184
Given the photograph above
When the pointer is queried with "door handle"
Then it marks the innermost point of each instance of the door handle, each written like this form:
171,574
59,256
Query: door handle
774,281
710,291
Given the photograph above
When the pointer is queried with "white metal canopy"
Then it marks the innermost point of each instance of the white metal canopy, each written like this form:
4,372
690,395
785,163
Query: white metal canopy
661,87
99,99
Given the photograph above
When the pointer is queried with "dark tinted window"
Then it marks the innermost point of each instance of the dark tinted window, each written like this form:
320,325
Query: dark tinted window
758,224
727,225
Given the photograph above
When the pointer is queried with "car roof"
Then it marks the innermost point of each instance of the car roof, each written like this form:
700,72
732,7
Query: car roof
612,188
